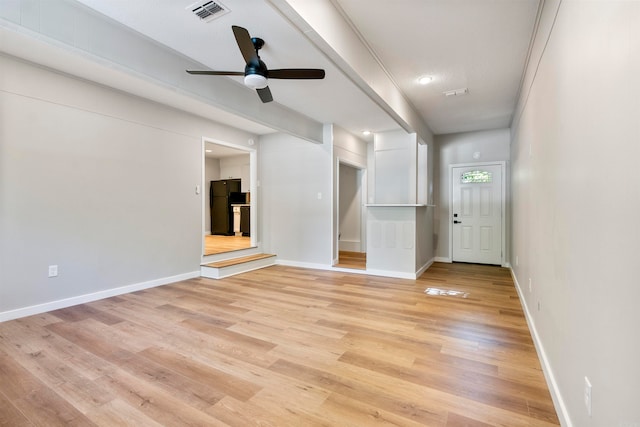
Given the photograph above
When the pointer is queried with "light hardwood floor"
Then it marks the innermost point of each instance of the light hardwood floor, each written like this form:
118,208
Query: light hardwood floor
355,260
282,346
214,244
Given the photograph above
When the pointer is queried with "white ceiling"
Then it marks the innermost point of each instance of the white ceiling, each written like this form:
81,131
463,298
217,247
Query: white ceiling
218,151
478,44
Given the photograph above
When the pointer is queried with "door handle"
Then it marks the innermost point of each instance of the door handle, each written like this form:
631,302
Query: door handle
457,222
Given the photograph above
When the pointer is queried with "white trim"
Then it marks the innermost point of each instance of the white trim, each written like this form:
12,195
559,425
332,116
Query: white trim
389,273
554,389
398,205
350,245
311,265
425,267
253,188
362,170
348,270
503,219
232,270
443,259
81,299
369,272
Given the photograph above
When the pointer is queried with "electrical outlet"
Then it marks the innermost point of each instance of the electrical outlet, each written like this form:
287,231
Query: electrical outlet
538,305
530,286
53,271
587,395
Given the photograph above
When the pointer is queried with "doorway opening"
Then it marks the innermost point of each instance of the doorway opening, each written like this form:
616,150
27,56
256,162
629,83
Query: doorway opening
229,210
351,219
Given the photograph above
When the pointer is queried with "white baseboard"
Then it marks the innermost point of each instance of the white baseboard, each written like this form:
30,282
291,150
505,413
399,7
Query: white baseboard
81,299
442,259
311,265
383,273
425,267
556,395
350,245
389,273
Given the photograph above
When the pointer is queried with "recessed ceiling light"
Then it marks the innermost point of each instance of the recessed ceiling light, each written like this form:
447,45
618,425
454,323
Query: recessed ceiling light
425,80
366,132
208,151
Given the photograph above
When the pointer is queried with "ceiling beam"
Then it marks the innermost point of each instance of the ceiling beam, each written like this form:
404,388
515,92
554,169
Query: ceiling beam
80,42
326,25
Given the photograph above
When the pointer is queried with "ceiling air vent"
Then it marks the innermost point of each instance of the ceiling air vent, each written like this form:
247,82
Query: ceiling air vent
456,92
208,10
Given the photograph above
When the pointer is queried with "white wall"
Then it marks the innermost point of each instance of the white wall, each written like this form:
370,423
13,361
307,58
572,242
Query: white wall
395,167
425,249
295,200
576,198
236,167
493,145
100,183
424,184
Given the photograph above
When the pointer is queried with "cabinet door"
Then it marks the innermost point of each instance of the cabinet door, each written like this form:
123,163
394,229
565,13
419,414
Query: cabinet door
245,220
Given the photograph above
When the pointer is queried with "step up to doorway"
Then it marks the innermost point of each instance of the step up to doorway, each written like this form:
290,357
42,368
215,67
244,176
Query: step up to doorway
232,266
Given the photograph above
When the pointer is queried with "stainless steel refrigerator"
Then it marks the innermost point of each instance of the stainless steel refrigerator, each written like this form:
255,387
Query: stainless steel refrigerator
222,193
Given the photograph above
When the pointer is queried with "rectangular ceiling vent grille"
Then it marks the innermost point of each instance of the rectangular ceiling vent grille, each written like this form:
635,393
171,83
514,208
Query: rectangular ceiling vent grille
208,10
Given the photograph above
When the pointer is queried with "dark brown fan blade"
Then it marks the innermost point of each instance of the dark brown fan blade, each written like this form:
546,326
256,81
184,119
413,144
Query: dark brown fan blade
296,73
217,73
245,44
265,94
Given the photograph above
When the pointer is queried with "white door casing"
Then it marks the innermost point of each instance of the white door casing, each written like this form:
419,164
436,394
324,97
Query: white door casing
361,184
477,213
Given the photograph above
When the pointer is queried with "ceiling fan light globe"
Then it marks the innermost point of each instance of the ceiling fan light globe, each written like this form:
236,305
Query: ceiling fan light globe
255,81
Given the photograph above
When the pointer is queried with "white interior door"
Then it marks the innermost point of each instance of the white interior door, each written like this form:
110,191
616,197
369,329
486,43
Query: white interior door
477,214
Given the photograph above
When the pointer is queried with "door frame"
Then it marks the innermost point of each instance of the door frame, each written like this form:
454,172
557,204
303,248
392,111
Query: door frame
253,187
503,204
362,170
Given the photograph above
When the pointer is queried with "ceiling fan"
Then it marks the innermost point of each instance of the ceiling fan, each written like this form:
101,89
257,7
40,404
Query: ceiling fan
255,72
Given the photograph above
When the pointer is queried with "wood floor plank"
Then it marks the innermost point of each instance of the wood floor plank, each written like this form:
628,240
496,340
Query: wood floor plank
120,413
10,415
282,346
355,260
216,244
354,389
36,401
342,410
225,384
241,414
156,403
456,420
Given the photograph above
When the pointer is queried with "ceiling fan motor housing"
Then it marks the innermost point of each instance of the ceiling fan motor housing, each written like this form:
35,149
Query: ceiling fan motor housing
255,75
